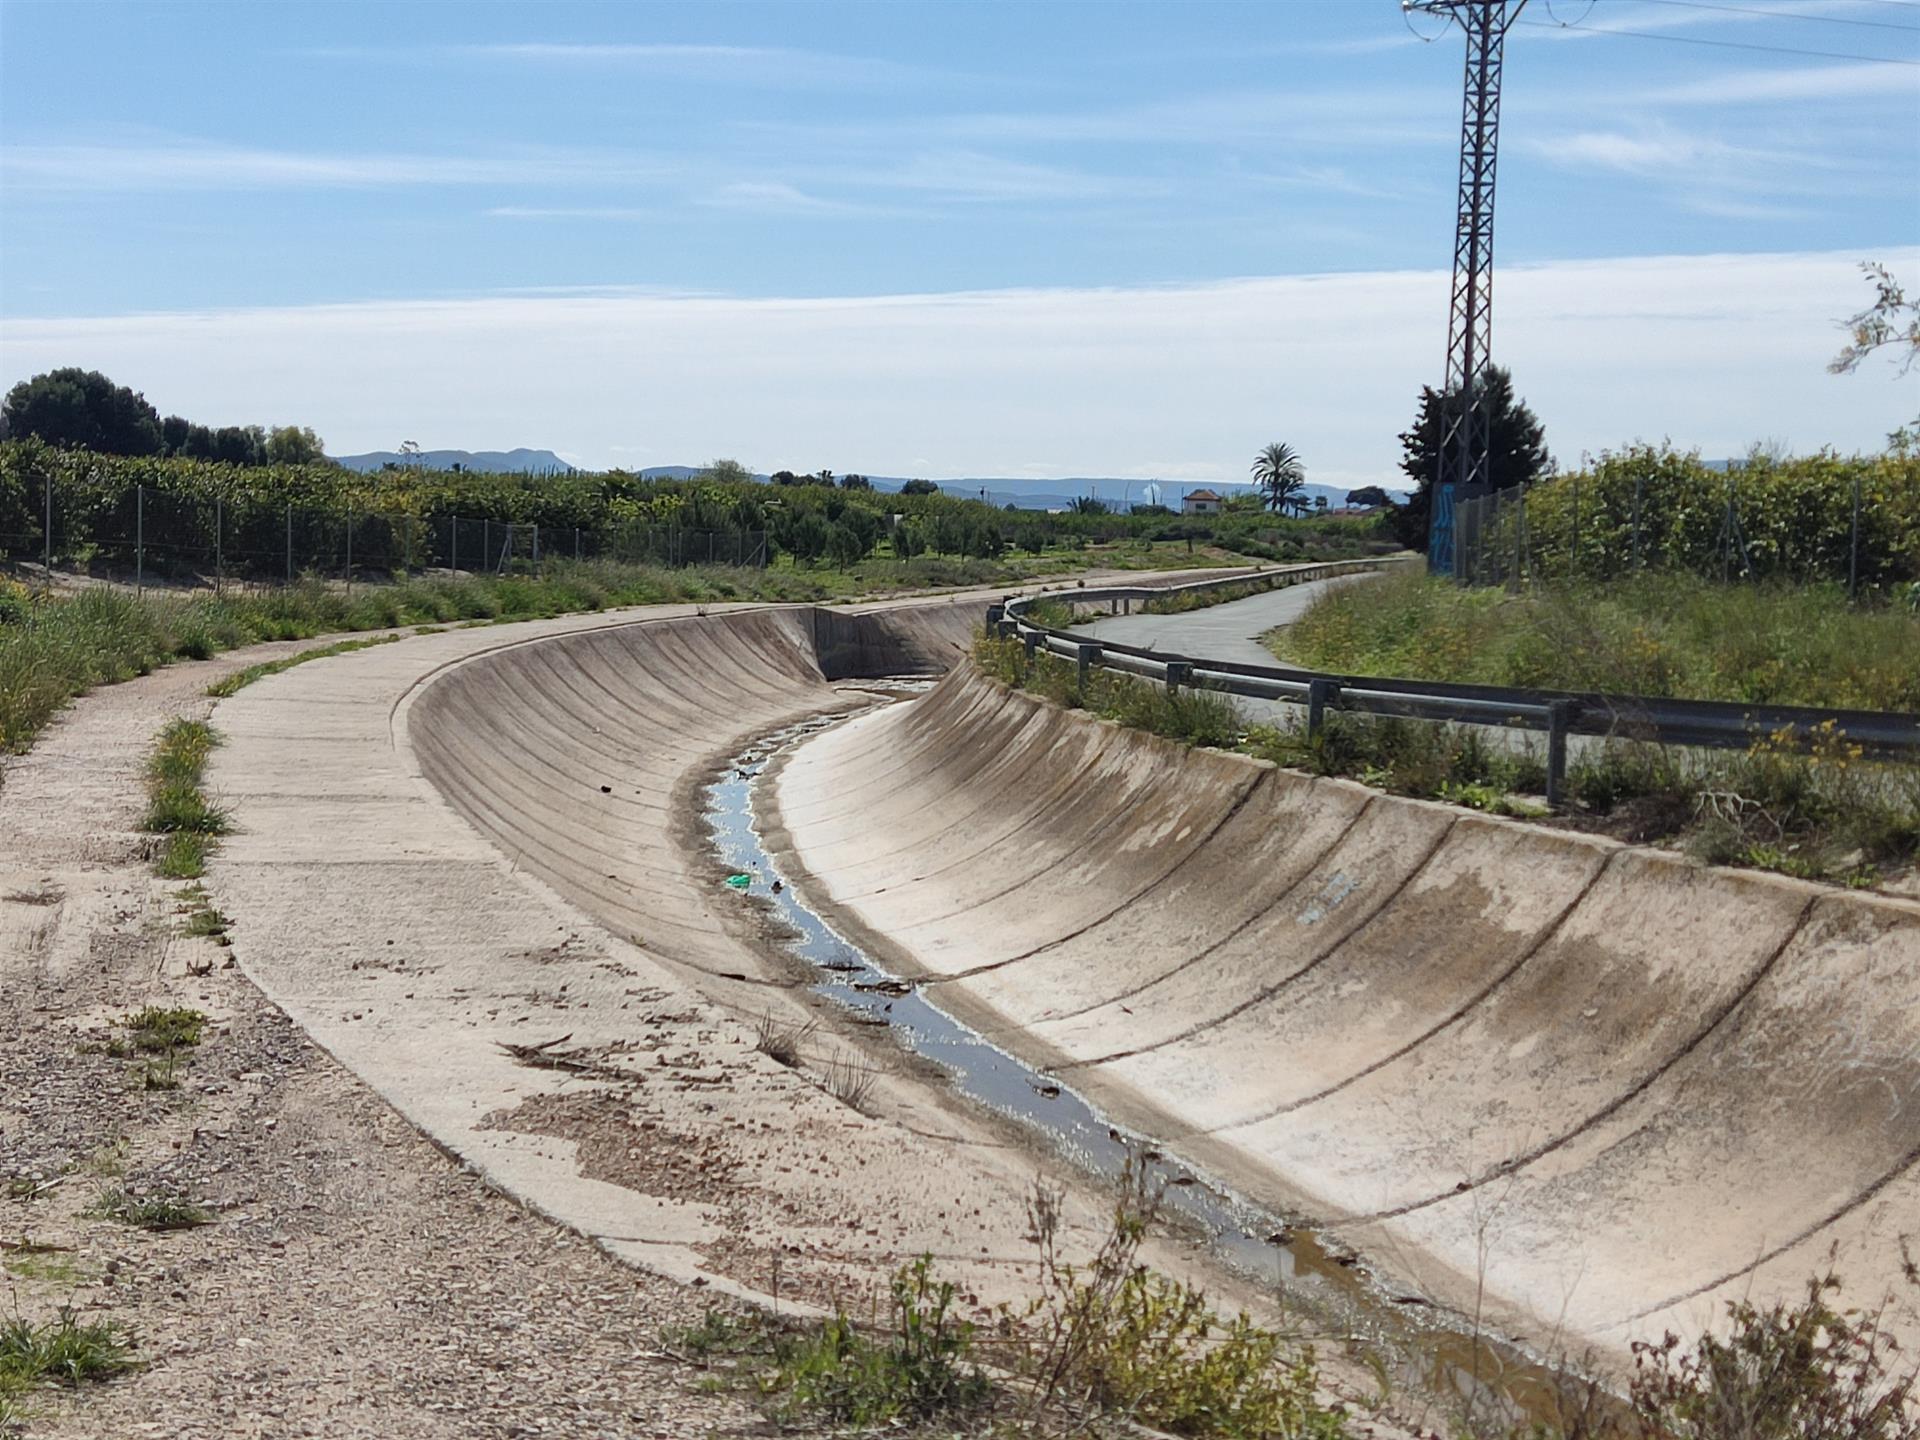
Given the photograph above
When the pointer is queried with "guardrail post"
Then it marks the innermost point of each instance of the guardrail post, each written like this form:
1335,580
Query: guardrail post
1006,629
1179,672
1126,606
1560,717
1030,639
1088,656
994,616
1319,692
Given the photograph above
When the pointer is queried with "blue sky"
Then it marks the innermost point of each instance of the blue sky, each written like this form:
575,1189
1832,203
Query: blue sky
325,184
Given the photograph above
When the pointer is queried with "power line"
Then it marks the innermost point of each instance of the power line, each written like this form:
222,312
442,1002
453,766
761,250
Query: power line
1787,15
1723,44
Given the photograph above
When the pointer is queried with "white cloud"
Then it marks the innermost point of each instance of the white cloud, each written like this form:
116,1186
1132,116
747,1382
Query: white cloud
770,65
1711,350
1801,82
196,166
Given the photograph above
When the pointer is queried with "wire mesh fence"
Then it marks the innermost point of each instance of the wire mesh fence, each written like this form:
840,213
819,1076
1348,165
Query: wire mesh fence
1517,536
148,536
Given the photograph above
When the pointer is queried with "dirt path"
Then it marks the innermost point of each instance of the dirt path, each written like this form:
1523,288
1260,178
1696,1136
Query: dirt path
357,1282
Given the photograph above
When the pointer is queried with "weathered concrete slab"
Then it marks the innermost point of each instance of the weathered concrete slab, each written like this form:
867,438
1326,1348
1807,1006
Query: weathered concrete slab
1616,1085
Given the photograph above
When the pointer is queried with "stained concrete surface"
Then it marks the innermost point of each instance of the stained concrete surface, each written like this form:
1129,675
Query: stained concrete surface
1616,1086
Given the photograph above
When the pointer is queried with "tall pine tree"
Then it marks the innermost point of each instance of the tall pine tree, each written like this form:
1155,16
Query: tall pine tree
1517,450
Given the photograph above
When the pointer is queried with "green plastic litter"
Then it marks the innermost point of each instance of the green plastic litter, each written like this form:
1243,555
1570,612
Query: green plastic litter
739,882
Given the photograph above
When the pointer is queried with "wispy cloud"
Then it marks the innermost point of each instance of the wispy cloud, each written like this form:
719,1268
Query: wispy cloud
774,66
1712,350
1657,152
1801,82
210,166
772,197
574,212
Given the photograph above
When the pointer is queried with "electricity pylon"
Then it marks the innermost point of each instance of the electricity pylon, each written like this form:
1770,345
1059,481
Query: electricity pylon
1465,425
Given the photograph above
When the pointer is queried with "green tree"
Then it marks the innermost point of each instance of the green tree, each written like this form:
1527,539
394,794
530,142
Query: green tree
727,472
1516,453
855,482
845,546
1369,495
1281,475
919,487
83,409
290,445
907,538
1090,505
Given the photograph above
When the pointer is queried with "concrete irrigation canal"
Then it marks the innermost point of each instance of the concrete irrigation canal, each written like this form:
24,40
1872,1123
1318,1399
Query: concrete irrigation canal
1582,1090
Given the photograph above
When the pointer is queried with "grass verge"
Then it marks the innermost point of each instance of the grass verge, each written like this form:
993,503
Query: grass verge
1825,814
1650,634
240,679
1198,717
177,808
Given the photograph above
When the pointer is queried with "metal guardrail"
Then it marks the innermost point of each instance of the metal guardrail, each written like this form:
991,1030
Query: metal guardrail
1891,735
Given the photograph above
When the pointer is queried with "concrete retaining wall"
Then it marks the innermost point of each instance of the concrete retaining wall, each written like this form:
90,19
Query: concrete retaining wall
1621,1086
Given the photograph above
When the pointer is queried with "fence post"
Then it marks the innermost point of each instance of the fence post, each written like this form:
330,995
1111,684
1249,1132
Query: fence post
1560,717
1087,656
140,538
1319,692
1520,540
1573,554
453,549
289,543
46,482
536,545
349,551
219,545
1853,556
576,544
1726,537
1179,672
486,541
1639,484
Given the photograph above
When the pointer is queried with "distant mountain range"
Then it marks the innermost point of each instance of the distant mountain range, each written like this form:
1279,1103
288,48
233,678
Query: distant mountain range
996,490
499,462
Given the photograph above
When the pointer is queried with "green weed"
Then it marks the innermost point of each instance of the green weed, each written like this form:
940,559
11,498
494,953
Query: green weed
919,1369
160,1213
64,1351
154,1031
183,855
240,679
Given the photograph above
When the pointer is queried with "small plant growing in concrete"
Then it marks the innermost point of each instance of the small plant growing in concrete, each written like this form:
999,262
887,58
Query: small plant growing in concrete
782,1043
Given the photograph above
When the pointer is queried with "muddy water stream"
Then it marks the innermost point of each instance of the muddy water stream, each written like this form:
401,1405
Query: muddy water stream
1278,1252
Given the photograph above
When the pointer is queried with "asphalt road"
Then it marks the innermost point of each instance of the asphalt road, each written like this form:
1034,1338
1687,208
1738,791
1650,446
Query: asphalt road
1219,632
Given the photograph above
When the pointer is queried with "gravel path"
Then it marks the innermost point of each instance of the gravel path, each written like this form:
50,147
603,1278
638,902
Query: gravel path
356,1282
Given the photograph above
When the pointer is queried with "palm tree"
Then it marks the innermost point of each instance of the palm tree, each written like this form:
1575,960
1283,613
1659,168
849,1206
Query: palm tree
1281,475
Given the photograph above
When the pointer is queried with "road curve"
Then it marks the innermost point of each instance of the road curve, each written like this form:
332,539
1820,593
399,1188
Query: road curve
1229,631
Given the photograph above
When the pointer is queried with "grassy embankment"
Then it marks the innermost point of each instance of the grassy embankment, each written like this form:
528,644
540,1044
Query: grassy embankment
1824,814
54,649
1652,634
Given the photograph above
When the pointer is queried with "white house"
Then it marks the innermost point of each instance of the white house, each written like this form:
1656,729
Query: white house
1200,502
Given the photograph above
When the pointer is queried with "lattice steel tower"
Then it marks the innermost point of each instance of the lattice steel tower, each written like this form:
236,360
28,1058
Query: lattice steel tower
1464,435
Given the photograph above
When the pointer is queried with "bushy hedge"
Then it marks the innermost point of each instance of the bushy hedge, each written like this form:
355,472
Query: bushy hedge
1794,515
401,515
